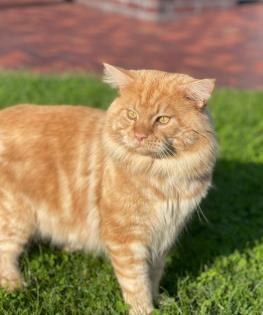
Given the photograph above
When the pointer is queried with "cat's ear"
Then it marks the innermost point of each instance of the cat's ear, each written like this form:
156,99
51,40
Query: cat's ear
199,91
116,76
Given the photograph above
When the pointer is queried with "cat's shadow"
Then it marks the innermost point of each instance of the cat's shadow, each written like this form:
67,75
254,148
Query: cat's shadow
234,212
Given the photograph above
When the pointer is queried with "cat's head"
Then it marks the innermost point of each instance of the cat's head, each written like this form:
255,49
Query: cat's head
158,114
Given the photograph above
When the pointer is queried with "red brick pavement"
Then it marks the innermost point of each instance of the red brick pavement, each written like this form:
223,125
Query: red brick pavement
55,36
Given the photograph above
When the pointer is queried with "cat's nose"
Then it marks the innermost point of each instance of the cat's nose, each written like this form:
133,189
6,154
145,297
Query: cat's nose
140,136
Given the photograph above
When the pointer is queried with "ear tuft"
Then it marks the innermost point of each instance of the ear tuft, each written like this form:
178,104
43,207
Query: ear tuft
116,76
200,91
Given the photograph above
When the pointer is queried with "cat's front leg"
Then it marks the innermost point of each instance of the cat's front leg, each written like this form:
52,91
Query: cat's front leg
132,270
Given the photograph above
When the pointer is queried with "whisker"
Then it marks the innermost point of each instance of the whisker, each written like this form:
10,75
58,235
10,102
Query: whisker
200,211
169,150
201,134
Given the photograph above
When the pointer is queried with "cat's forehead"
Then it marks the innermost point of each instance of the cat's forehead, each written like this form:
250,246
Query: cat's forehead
154,89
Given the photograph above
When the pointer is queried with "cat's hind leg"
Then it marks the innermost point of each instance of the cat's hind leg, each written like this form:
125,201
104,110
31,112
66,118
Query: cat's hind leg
16,226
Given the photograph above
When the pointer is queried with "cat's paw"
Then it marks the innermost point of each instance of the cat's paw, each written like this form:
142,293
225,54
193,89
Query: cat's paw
11,282
71,248
141,311
157,299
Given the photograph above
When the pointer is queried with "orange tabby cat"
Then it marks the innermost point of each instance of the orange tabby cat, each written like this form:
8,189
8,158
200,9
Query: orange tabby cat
121,182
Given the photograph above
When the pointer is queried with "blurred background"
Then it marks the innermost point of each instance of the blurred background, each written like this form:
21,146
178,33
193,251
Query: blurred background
204,38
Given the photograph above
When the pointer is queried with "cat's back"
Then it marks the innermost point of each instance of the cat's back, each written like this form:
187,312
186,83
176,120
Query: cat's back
39,143
29,117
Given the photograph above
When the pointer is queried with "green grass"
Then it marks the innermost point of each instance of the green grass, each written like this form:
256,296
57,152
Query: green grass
217,266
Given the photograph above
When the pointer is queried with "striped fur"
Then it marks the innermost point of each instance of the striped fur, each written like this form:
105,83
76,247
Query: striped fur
79,177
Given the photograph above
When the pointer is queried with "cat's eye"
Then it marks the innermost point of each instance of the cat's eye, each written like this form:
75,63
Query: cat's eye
132,114
163,120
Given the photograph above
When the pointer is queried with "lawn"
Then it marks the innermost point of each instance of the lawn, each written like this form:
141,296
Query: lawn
217,265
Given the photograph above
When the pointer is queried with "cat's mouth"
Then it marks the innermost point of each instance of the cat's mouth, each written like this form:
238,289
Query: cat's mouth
154,148
165,150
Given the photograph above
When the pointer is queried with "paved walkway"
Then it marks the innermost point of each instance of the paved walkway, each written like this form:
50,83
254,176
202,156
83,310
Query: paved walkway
51,36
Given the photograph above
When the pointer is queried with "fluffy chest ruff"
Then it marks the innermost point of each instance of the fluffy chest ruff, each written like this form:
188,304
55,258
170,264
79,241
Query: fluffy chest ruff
171,215
152,210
